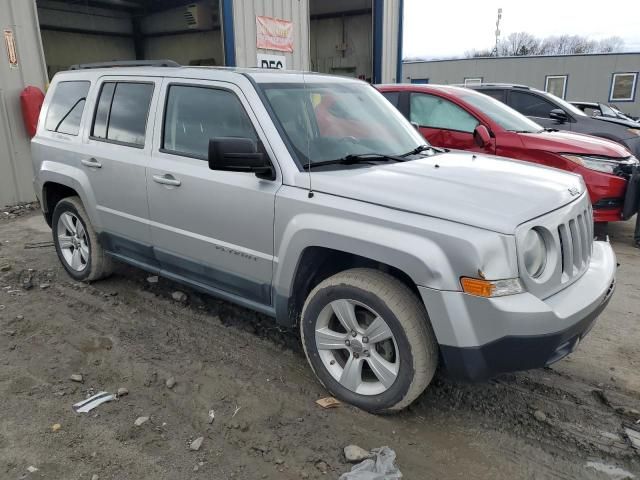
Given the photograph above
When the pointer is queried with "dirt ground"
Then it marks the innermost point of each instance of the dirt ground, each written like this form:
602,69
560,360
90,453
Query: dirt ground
557,422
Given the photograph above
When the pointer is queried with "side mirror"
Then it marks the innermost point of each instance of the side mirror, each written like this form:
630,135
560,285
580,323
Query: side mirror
481,136
558,115
235,154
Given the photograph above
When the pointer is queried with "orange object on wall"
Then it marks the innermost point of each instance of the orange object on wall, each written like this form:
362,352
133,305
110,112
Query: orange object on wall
274,34
31,99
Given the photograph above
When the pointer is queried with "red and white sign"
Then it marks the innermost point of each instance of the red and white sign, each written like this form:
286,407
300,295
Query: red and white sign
274,34
10,44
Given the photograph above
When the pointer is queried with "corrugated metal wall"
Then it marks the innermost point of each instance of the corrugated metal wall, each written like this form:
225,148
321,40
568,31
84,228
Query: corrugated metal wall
244,25
589,76
391,23
20,17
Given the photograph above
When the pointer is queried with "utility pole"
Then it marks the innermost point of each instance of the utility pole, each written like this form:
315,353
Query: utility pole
498,31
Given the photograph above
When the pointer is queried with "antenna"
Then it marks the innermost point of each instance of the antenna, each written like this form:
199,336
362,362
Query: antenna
495,51
310,194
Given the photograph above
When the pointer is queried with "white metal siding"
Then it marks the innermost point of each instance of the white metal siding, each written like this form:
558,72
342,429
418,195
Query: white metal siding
390,29
244,24
589,76
15,159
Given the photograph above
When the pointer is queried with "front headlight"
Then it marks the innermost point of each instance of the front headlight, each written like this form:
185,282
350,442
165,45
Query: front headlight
534,252
594,163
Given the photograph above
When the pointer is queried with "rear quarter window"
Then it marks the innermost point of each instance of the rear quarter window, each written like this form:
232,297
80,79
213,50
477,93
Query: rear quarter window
66,107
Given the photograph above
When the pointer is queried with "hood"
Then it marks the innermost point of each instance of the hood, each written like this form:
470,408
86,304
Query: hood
619,121
488,192
571,142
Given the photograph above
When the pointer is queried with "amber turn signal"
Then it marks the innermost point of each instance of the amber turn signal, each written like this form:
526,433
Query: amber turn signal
477,287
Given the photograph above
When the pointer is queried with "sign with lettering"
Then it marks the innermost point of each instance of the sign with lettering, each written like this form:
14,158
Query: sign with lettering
272,61
274,34
12,53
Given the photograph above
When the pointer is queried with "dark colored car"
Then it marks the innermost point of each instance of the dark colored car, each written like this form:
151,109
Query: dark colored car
459,118
553,112
608,113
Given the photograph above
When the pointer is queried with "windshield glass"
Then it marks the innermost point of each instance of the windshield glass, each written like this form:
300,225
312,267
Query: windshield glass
328,121
566,106
503,115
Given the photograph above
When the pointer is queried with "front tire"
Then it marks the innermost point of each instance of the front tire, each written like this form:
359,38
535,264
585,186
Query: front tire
77,243
368,340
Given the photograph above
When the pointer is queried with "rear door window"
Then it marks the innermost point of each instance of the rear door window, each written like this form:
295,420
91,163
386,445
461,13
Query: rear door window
436,112
67,105
530,104
194,115
122,112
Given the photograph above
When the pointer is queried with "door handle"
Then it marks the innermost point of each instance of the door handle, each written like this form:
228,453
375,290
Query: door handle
167,179
92,162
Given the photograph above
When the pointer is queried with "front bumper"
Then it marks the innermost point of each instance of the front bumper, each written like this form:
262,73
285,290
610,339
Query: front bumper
480,338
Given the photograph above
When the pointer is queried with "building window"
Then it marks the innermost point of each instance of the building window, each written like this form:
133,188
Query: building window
420,80
623,87
472,81
556,85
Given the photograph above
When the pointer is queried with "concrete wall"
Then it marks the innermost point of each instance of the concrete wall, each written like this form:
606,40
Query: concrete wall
186,48
589,76
62,49
16,172
244,25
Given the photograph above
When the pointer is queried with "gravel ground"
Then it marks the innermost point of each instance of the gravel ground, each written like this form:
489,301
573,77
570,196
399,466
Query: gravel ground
568,421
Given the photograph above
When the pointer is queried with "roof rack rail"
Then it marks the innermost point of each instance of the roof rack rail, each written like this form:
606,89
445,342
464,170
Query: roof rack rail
125,63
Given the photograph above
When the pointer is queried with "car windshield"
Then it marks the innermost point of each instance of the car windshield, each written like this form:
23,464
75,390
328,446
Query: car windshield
566,106
329,121
503,115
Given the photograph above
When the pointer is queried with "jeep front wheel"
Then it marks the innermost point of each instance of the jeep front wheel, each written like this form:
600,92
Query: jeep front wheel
368,340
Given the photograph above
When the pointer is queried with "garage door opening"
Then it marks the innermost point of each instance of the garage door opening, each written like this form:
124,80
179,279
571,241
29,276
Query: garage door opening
341,37
86,31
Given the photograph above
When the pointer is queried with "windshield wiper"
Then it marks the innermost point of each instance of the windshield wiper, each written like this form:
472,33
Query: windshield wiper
359,158
422,148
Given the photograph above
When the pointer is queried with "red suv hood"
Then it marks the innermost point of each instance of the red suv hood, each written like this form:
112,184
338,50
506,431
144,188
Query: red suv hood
569,142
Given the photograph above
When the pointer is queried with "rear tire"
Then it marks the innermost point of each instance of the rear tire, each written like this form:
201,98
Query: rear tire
385,356
77,243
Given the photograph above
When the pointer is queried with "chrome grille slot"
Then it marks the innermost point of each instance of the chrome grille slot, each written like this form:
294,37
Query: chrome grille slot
576,243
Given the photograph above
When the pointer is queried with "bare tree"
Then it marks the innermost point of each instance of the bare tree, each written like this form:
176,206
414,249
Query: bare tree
478,53
518,44
610,45
523,43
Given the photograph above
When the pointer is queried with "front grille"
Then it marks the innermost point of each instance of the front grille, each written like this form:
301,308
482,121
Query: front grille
576,243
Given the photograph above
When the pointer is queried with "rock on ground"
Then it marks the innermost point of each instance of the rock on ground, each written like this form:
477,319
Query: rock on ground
355,454
140,420
196,444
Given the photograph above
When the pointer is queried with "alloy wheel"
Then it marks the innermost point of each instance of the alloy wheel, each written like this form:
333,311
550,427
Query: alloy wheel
73,241
357,347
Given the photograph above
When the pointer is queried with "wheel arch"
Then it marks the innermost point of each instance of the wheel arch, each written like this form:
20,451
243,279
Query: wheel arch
64,181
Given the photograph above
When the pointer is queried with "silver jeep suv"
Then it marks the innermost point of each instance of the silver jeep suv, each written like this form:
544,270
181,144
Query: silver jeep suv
309,198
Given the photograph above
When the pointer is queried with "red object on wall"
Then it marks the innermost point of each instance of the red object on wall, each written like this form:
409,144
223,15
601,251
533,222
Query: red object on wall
31,99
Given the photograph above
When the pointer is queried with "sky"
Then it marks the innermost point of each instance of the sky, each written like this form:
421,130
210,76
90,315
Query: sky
444,29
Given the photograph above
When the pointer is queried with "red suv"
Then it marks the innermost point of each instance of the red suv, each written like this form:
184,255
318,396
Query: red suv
460,118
